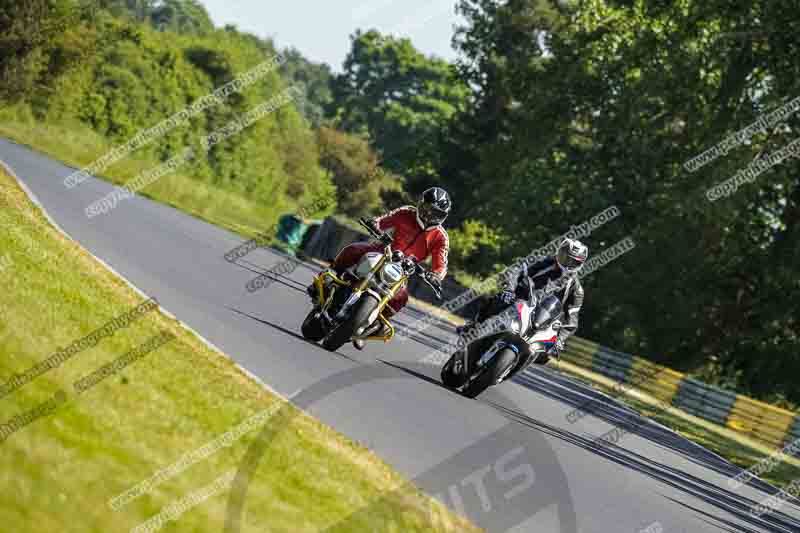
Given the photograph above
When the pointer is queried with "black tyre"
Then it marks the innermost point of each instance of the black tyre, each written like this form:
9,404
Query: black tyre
312,327
358,318
448,378
490,374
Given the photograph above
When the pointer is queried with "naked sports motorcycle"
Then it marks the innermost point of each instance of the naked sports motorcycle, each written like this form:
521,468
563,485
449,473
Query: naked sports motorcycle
351,307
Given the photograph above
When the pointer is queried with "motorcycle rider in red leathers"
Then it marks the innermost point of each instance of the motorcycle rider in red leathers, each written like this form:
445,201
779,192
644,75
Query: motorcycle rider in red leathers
418,232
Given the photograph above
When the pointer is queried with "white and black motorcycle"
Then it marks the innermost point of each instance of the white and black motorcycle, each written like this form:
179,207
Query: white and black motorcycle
530,332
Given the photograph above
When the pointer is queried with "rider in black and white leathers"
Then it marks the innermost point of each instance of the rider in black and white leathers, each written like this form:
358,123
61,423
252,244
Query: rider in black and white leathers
552,275
547,271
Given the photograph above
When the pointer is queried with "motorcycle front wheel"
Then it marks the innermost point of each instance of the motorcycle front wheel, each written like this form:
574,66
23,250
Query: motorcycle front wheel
449,379
359,315
491,373
312,328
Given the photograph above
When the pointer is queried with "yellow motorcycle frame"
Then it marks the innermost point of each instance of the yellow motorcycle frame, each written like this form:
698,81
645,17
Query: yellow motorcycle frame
324,297
378,277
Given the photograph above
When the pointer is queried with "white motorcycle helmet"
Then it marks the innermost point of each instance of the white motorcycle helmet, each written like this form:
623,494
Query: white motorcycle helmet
571,255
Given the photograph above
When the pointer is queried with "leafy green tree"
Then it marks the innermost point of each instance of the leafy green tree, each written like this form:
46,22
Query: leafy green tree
353,168
121,76
401,99
138,10
30,33
475,248
576,107
182,16
315,81
179,16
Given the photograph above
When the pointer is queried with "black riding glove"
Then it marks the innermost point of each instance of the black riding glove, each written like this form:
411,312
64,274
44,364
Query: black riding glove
506,297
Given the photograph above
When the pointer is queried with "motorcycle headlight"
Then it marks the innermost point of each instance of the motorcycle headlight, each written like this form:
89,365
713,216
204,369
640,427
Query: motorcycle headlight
515,325
391,273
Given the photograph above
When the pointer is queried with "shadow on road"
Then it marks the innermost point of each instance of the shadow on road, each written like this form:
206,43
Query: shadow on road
289,332
573,393
710,493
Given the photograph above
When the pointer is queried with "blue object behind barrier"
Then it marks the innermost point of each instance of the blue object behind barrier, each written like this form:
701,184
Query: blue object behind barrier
290,231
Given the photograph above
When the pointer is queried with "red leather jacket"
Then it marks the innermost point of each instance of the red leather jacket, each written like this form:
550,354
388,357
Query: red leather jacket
411,239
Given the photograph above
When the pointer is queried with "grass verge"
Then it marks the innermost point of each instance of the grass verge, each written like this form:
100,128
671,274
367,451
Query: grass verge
60,470
78,146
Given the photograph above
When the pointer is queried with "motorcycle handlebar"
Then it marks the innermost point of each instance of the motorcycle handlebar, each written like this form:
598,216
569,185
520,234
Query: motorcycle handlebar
421,271
378,234
369,227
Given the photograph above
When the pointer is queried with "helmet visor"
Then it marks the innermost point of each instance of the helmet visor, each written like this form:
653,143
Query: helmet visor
568,261
431,215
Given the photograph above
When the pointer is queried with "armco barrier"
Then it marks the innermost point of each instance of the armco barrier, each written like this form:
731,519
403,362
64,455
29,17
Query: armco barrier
582,352
761,421
660,382
794,430
698,399
766,423
758,420
613,364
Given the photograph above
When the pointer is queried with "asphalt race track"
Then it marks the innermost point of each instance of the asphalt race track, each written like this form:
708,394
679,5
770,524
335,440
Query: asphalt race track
509,460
